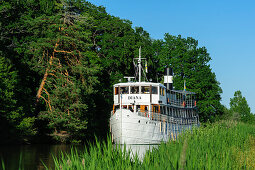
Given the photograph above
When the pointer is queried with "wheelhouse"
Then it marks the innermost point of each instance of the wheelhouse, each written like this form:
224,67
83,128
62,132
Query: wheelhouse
153,98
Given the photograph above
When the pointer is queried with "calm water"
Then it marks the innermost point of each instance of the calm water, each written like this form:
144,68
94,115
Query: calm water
33,156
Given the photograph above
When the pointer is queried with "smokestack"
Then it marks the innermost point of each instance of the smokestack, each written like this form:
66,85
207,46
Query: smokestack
168,78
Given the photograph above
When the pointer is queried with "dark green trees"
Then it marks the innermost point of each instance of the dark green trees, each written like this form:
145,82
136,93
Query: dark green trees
116,43
59,50
12,117
239,107
49,44
190,64
59,60
8,109
16,116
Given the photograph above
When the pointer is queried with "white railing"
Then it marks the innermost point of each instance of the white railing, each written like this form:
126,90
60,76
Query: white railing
170,119
166,118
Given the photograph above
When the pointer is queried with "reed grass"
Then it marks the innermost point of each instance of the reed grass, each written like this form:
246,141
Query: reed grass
221,145
2,164
20,164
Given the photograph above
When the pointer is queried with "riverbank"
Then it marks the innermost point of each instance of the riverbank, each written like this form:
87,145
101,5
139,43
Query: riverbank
221,145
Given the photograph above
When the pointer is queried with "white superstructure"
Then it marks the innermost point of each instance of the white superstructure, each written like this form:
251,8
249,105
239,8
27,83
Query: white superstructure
148,113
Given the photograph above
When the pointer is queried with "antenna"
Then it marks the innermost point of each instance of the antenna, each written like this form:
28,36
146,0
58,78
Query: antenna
139,64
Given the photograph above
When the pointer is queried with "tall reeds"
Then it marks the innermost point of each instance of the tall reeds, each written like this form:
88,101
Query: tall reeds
221,145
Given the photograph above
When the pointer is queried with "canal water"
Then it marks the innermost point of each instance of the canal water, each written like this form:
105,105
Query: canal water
33,157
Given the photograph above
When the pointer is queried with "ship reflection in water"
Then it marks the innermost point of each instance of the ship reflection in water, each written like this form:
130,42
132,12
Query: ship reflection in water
140,150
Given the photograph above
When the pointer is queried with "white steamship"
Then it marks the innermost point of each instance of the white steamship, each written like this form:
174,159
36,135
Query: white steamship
149,113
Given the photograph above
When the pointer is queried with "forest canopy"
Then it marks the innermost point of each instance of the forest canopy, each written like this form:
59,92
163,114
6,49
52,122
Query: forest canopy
60,58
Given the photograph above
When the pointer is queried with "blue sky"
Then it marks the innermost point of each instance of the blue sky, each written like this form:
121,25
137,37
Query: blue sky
225,27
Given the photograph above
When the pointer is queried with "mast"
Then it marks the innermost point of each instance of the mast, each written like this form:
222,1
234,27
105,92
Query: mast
139,64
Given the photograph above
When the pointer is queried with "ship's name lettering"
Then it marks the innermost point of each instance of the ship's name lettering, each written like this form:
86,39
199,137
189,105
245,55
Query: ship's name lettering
134,97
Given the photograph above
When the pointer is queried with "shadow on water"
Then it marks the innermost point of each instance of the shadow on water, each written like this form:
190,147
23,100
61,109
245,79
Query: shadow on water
32,156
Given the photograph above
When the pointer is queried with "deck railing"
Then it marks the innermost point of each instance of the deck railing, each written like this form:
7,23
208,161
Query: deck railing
166,118
182,104
170,119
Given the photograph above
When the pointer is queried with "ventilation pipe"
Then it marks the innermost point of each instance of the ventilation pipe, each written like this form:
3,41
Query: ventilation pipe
168,78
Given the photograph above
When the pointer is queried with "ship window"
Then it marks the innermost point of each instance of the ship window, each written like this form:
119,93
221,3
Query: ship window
165,111
145,89
116,90
131,108
162,91
124,90
116,107
144,107
154,90
155,109
137,107
134,89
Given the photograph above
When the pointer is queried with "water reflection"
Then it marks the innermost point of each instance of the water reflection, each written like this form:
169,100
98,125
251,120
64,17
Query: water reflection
35,156
32,156
140,150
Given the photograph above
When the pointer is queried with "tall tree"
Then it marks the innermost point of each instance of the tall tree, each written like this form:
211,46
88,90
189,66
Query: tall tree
116,44
20,88
239,105
190,64
67,54
12,119
59,50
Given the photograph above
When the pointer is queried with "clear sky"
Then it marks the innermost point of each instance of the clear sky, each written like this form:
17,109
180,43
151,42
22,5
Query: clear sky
225,27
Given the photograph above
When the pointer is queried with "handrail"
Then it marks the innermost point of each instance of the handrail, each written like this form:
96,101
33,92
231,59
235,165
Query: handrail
182,104
166,118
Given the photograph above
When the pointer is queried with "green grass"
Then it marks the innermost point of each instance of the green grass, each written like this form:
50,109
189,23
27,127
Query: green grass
20,164
221,145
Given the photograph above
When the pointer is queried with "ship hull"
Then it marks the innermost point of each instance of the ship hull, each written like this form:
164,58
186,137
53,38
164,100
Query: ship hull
130,128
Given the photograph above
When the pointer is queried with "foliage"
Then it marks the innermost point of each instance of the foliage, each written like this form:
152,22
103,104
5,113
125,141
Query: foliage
68,54
116,43
18,120
8,82
220,145
59,51
240,107
11,116
190,64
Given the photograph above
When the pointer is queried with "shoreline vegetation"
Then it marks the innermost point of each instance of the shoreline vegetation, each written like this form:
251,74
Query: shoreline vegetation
60,59
226,144
220,145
